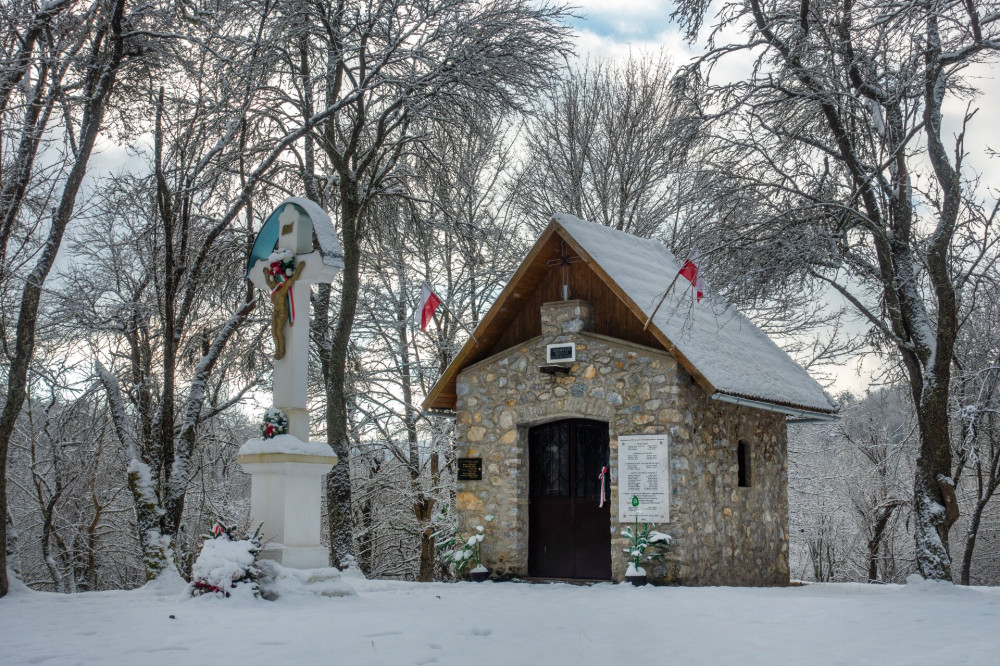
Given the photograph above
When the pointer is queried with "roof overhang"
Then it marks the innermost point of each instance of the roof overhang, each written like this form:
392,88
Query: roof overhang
443,397
795,414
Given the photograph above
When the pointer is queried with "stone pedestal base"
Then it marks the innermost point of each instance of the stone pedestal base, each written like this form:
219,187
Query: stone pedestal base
285,495
297,557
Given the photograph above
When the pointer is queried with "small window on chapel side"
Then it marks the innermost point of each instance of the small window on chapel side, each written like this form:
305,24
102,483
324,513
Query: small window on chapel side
743,462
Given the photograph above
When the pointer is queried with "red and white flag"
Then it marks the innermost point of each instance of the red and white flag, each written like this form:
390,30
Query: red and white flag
426,307
690,272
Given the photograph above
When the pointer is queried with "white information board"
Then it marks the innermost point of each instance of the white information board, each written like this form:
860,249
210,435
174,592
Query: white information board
644,473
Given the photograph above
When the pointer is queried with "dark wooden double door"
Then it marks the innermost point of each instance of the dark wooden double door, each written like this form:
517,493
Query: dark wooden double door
569,533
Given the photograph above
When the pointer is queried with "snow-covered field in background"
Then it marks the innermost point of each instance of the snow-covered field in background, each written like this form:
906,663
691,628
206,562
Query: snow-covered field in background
511,623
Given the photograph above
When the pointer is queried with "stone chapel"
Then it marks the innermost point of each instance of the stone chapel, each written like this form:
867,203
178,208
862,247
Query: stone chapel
586,399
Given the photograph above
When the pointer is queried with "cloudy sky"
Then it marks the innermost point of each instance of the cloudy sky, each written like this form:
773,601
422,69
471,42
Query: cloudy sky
609,29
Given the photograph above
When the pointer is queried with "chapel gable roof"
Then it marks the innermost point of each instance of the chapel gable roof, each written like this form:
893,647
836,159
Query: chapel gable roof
720,347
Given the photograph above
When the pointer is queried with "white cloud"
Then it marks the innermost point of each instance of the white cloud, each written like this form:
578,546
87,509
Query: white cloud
625,17
983,131
615,47
591,44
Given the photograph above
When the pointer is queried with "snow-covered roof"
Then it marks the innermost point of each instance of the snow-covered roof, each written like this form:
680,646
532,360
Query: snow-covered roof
326,235
730,357
725,347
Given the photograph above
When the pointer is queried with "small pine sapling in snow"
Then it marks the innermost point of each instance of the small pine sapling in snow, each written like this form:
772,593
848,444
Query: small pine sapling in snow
646,545
462,552
227,561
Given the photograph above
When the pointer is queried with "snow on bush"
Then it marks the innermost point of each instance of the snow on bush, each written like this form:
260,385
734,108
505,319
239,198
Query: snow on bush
277,581
634,570
227,564
462,552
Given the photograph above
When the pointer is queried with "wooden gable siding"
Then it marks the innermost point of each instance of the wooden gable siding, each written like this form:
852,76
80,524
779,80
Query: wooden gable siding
516,315
612,317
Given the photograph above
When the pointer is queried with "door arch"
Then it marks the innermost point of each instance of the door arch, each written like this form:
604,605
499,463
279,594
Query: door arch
569,534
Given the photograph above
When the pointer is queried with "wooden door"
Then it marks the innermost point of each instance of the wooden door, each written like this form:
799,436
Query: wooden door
569,533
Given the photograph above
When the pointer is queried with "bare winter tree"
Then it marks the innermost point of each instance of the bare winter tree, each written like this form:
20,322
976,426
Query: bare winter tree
878,431
386,398
165,256
400,64
66,489
456,230
849,491
169,319
976,399
829,166
63,60
157,288
600,147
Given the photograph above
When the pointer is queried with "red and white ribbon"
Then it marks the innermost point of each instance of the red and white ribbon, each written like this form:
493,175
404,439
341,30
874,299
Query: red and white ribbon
601,477
278,274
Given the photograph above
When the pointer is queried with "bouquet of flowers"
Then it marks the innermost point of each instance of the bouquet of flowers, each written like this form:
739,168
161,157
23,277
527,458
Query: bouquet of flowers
282,264
226,562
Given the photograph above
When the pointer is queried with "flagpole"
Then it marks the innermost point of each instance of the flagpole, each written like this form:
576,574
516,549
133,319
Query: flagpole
662,298
459,322
691,257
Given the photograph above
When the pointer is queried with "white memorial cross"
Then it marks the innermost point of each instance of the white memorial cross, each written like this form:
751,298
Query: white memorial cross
287,470
291,371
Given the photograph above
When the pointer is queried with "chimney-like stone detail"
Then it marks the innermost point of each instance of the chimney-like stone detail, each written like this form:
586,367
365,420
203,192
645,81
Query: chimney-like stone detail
561,317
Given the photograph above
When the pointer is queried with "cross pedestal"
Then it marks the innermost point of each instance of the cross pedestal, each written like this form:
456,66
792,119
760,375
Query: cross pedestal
285,492
287,470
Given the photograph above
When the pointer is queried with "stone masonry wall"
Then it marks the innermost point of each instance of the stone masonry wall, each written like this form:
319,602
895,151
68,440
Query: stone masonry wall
723,534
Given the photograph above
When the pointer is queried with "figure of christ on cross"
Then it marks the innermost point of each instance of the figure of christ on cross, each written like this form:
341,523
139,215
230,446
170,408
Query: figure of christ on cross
279,298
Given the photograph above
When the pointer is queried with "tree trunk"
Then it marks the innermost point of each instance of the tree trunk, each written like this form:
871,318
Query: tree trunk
878,533
970,541
935,504
427,553
154,547
423,501
338,481
986,492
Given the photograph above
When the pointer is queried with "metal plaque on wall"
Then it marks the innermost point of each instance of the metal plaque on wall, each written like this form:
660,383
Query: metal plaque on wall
470,469
644,478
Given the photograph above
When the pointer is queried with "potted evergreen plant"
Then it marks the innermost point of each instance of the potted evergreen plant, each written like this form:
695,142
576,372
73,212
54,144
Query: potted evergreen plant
645,545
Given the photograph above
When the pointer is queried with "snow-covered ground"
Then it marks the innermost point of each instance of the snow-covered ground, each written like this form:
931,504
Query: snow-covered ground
510,623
